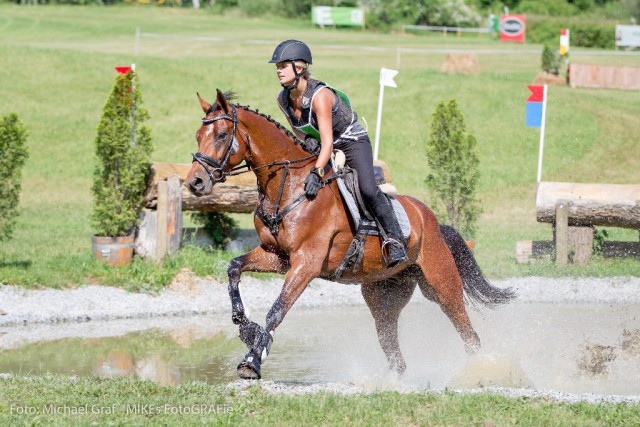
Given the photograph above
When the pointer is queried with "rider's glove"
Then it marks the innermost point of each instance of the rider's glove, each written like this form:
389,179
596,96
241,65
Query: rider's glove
313,183
311,144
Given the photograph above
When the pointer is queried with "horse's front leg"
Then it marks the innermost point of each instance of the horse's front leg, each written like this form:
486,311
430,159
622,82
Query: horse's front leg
258,260
299,276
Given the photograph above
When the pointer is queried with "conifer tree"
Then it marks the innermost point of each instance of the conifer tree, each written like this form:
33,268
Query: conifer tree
13,155
453,168
123,152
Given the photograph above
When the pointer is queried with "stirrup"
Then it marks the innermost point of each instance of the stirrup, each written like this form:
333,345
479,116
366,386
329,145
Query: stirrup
392,261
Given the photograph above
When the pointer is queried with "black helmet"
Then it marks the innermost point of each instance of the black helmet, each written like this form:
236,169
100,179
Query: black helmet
291,50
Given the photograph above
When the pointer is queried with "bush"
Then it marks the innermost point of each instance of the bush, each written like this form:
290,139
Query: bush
453,165
584,33
123,151
13,155
218,225
551,60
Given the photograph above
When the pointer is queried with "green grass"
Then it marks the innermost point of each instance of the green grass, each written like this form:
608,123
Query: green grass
106,401
58,71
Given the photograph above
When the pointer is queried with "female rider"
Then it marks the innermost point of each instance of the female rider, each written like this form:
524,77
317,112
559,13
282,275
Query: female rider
315,110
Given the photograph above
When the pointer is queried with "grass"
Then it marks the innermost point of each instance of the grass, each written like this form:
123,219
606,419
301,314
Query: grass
59,400
60,72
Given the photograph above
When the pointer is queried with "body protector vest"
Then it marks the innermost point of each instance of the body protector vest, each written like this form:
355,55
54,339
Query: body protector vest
344,121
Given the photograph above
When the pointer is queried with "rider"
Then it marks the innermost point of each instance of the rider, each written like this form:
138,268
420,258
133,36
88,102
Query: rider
316,110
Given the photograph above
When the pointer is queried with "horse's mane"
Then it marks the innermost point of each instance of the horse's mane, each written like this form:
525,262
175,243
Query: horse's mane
230,95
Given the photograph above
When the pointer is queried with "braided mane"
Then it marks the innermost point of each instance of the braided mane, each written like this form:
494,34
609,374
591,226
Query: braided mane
273,121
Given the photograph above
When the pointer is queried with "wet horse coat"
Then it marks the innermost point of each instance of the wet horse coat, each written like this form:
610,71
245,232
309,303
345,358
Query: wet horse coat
312,237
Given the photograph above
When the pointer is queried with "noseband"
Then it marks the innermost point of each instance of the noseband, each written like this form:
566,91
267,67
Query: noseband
217,174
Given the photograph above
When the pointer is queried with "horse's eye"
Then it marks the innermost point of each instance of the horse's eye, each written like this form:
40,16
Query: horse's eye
221,136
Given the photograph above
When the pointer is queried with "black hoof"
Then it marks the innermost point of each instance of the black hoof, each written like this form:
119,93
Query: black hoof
249,370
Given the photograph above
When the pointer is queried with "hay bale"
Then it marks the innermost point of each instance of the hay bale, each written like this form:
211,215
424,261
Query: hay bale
545,78
461,64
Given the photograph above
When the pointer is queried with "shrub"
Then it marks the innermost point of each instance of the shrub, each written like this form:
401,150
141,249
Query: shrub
123,152
218,225
13,155
453,165
551,60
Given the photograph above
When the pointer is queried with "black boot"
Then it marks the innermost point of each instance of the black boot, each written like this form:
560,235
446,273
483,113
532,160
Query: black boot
393,243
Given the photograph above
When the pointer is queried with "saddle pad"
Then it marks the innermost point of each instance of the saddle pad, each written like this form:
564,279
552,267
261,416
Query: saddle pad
398,211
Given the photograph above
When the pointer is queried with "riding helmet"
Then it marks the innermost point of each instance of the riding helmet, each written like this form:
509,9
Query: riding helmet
291,50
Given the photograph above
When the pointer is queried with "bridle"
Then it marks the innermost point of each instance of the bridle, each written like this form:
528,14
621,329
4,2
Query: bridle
218,174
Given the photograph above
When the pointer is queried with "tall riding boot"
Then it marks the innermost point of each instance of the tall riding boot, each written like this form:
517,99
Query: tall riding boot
381,209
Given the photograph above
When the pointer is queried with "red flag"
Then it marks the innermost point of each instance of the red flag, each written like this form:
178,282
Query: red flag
537,93
123,70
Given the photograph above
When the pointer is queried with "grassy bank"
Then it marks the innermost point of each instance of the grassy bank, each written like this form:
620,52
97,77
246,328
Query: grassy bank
60,70
57,400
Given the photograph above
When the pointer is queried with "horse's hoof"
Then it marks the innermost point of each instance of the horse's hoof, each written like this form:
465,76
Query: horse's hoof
248,372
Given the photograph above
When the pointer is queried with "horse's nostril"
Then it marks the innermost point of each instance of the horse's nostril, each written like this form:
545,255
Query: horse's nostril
196,184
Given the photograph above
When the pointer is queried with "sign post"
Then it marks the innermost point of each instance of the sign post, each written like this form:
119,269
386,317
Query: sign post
386,79
536,112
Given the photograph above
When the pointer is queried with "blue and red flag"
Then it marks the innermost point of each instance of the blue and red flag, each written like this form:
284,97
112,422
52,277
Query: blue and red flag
535,102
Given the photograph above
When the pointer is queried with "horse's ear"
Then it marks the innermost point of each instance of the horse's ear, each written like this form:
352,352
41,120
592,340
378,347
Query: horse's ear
222,101
205,105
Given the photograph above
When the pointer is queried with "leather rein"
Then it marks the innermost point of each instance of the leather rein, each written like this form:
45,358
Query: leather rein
218,174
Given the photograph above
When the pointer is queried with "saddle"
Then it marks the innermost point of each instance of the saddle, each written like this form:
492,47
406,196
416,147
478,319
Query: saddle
365,223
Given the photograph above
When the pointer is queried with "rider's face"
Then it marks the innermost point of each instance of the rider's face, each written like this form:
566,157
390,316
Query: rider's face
284,69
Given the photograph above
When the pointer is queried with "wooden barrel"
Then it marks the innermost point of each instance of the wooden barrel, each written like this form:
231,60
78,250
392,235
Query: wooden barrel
115,251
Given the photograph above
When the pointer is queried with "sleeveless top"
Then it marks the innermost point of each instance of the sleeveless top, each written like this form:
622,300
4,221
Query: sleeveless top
344,121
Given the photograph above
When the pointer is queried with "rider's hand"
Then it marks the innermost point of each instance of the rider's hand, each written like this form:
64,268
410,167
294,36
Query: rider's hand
313,183
311,144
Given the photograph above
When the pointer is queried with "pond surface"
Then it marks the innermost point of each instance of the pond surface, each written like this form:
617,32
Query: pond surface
574,348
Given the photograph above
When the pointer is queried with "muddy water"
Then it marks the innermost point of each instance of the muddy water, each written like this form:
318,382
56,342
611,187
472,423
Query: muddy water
574,348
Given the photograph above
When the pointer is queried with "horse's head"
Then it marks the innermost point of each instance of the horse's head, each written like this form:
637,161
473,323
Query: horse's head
218,147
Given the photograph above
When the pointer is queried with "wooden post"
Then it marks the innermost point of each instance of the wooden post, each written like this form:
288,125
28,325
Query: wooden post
174,214
561,233
163,214
581,239
169,225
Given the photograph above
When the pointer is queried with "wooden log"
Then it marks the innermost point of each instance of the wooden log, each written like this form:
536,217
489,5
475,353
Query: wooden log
614,205
621,249
238,194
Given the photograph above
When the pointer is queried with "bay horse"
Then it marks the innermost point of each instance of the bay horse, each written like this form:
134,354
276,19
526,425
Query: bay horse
306,238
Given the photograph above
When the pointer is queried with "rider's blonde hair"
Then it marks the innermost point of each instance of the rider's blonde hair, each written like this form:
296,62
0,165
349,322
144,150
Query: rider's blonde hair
305,69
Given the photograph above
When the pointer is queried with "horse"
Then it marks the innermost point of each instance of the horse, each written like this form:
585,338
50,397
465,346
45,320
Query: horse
306,238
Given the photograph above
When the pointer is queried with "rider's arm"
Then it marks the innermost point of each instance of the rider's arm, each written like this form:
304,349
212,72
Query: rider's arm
322,105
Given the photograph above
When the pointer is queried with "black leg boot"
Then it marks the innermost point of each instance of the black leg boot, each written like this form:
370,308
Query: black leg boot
394,245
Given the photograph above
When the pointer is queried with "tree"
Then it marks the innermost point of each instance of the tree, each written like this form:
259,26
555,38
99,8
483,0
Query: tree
453,168
13,155
550,61
123,153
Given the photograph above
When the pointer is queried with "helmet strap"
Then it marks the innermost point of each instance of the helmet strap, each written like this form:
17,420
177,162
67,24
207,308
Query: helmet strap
295,83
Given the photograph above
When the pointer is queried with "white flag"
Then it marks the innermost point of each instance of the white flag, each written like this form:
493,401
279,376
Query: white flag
386,77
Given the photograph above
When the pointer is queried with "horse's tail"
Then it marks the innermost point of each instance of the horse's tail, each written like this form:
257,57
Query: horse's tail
475,285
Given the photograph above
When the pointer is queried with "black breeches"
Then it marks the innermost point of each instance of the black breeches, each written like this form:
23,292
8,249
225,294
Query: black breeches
359,156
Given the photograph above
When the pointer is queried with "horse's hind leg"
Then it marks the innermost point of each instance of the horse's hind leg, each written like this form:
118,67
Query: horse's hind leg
386,299
442,283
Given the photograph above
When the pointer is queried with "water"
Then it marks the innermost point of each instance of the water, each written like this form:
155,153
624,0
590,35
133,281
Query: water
574,348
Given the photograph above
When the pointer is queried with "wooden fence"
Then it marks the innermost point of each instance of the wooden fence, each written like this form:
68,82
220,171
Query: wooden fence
574,209
604,76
